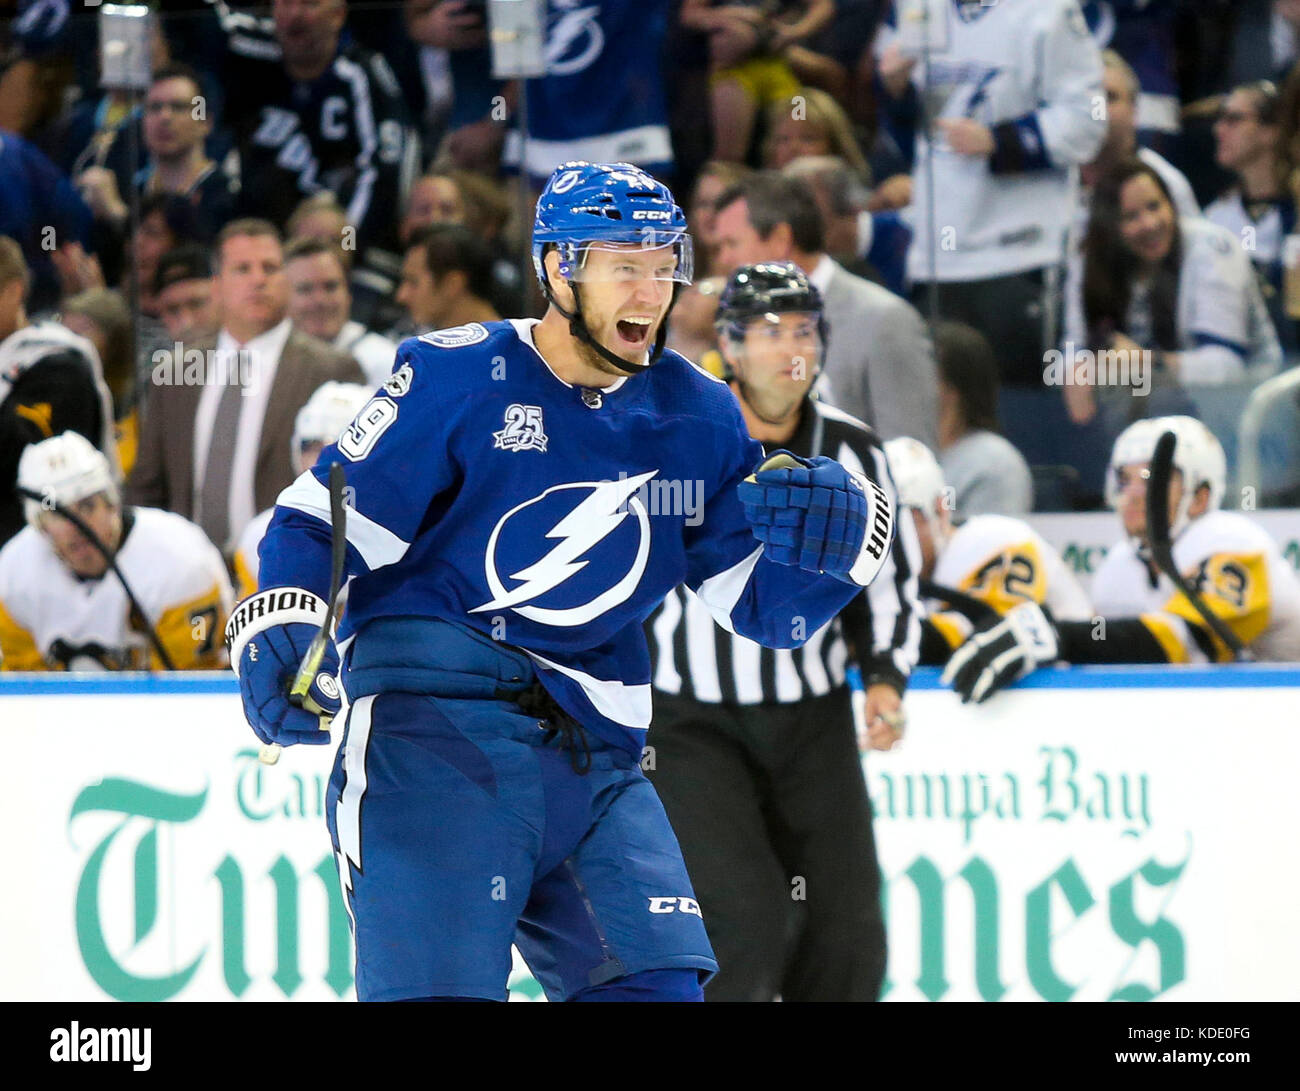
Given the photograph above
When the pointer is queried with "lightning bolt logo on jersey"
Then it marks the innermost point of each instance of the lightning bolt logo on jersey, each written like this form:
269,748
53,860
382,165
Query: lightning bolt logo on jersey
561,542
580,534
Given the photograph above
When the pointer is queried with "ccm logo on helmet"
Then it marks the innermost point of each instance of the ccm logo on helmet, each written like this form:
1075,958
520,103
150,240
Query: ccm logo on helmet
650,214
679,905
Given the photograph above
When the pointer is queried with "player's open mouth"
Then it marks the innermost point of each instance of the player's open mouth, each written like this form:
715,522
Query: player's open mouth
634,330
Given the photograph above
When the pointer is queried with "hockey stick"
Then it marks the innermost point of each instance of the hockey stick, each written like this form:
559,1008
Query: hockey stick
1162,549
48,503
269,754
973,609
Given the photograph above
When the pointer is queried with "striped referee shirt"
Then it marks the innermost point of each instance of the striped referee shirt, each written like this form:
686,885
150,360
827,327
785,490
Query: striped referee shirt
694,657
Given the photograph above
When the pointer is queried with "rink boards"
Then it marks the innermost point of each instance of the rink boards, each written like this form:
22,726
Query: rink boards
1109,833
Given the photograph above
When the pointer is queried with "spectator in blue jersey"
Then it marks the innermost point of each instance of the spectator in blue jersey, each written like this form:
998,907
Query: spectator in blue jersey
40,208
53,59
602,98
1259,209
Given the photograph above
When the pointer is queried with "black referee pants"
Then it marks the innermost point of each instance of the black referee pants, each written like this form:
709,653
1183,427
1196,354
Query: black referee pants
771,809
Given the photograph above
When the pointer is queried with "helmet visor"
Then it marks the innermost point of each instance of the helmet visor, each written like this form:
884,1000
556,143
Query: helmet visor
661,256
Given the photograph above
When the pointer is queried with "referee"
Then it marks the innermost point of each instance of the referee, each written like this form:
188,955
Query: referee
754,750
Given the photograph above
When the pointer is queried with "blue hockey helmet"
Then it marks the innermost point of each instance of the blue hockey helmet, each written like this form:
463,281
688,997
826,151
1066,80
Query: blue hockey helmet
586,204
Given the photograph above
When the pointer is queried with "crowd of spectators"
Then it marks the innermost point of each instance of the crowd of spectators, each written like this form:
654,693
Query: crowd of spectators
297,187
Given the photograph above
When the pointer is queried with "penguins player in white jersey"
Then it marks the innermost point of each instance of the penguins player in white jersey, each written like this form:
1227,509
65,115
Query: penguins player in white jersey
1229,560
60,606
996,560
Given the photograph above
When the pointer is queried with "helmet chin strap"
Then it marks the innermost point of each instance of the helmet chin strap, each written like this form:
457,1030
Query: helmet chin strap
578,327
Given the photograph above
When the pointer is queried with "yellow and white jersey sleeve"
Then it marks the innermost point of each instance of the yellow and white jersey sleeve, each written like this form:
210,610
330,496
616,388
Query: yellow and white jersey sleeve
1239,572
246,566
50,620
1004,561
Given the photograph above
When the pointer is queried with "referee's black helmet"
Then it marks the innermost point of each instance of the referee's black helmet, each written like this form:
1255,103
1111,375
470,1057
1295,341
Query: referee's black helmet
766,288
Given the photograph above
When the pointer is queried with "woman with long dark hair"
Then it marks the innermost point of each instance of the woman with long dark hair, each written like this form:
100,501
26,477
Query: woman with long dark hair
1154,303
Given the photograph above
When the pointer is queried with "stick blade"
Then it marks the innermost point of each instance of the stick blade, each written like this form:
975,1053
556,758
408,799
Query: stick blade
778,461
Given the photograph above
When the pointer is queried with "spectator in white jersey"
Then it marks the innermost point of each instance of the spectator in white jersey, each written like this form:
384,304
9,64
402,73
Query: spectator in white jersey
989,476
319,304
1258,209
1011,104
1168,302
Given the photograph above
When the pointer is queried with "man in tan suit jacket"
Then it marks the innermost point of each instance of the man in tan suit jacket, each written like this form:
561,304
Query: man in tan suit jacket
219,455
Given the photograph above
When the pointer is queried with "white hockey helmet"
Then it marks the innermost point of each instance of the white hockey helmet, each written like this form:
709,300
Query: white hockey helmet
327,412
1198,456
916,473
65,468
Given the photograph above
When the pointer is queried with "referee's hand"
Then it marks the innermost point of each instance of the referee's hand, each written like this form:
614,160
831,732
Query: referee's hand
880,717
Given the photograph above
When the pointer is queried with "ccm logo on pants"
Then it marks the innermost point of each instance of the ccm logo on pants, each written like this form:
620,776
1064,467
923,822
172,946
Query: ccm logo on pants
681,905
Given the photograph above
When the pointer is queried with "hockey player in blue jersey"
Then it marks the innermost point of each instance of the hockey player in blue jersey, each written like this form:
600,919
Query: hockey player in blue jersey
522,495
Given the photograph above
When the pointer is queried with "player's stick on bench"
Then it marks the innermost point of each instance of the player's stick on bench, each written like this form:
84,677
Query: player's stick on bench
50,504
1162,549
269,754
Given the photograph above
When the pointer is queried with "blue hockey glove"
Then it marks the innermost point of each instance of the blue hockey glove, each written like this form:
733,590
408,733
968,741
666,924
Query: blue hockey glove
1008,649
268,634
818,516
